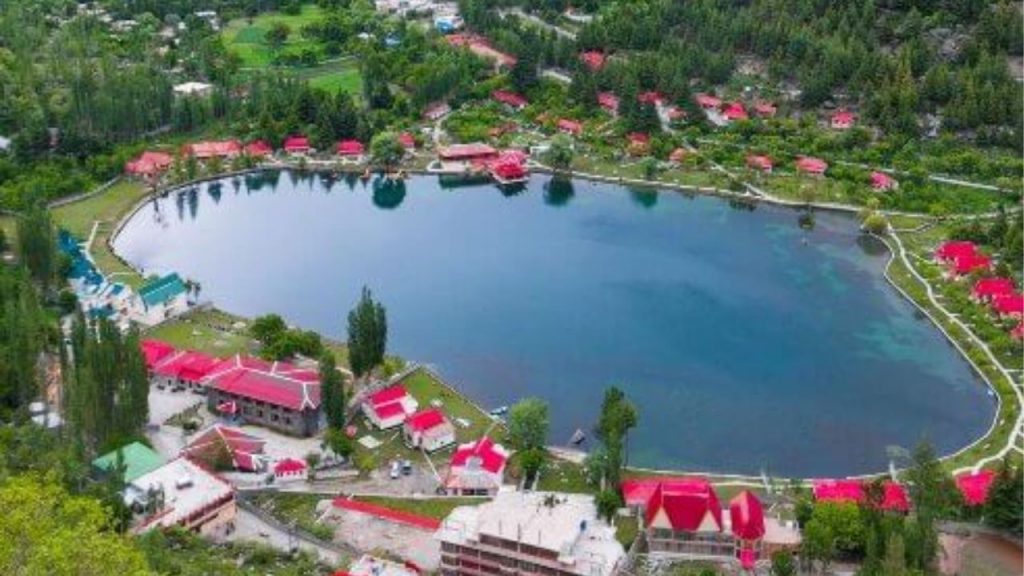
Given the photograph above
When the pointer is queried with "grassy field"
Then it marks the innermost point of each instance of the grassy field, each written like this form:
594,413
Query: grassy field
206,330
341,75
437,508
297,509
106,208
247,36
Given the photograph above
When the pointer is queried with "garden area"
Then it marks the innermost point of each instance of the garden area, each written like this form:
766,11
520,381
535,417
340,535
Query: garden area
248,37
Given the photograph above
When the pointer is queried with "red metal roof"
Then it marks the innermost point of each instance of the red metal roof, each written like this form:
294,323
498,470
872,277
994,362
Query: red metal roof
258,148
894,497
289,466
189,366
843,119
638,138
149,163
297,143
968,263
954,249
270,387
1009,304
243,448
385,411
839,491
350,148
990,287
882,181
760,162
509,98
155,351
466,151
426,420
484,449
406,140
650,97
387,395
747,516
975,486
211,149
764,109
570,126
811,165
708,100
686,504
638,491
608,101
735,111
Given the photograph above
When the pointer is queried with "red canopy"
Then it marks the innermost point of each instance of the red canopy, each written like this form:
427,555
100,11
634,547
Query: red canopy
974,486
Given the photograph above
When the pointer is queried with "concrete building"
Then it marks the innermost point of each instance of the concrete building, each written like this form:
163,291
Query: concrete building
182,493
527,533
160,299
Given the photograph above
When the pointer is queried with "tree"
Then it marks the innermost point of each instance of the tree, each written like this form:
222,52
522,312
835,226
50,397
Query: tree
524,71
367,334
312,461
895,562
782,564
37,245
618,417
385,150
339,443
332,391
278,35
45,530
833,530
267,328
608,503
1003,510
560,154
528,424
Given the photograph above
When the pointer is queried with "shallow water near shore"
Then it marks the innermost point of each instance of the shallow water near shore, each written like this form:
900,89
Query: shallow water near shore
747,343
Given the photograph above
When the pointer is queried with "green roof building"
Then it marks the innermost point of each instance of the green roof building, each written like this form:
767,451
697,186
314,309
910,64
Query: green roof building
162,290
138,459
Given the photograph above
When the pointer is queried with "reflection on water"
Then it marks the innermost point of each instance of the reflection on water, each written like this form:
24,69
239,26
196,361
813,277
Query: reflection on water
388,193
558,191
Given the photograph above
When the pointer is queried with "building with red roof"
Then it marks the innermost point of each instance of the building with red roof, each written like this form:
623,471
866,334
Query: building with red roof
428,430
882,182
708,101
297,144
389,407
1009,305
746,519
677,156
154,352
609,102
510,99
222,447
476,469
685,517
570,127
969,264
765,109
811,165
290,469
650,98
149,164
183,369
508,169
467,152
407,140
482,47
350,149
639,143
593,59
760,162
953,250
273,394
214,149
974,487
839,491
894,497
734,111
842,120
987,289
258,149
436,111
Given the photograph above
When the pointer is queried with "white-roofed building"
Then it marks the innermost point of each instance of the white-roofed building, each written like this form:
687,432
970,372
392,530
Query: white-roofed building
182,493
193,89
535,532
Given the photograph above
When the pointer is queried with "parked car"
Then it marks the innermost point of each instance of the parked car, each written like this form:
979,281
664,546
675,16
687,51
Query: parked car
406,467
396,470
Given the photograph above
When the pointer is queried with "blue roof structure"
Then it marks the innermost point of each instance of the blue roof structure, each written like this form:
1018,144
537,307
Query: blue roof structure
162,290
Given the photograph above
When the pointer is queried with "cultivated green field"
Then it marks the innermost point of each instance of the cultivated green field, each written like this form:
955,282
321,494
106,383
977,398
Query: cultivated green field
247,36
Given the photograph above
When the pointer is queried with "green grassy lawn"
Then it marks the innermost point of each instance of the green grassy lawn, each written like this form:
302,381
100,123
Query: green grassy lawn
246,37
339,75
437,508
208,331
297,509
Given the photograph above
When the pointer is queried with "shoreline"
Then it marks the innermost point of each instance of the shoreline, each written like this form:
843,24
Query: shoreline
657,186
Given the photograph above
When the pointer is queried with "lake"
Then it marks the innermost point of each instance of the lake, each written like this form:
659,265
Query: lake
746,342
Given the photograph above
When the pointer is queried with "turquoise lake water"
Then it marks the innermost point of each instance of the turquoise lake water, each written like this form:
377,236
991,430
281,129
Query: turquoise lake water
747,343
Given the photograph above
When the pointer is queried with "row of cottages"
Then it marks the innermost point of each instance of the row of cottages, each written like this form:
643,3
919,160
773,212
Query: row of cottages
879,181
393,406
477,469
962,258
683,517
893,496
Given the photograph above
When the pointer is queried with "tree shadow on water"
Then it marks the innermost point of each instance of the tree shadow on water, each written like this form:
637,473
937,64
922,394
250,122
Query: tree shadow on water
558,191
388,194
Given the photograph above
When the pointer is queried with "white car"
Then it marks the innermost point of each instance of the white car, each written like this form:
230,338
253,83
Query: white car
396,470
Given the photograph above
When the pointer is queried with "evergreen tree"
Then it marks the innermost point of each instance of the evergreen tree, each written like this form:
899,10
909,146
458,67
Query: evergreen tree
37,245
332,392
367,334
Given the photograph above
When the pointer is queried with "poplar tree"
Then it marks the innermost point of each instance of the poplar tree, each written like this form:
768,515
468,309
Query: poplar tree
367,334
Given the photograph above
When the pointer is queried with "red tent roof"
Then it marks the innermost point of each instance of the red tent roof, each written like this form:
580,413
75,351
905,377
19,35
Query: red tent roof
894,497
685,504
289,466
297,143
974,486
954,249
485,451
593,59
1009,304
839,491
406,140
882,181
426,420
608,101
258,148
759,162
708,100
570,126
350,148
968,263
811,165
735,111
991,287
747,516
509,98
650,97
149,163
155,351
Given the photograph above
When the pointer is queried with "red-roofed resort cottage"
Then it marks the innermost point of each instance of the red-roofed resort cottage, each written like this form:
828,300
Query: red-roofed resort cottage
477,469
428,430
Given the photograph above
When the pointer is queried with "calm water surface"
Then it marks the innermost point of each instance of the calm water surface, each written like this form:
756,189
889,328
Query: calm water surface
747,343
